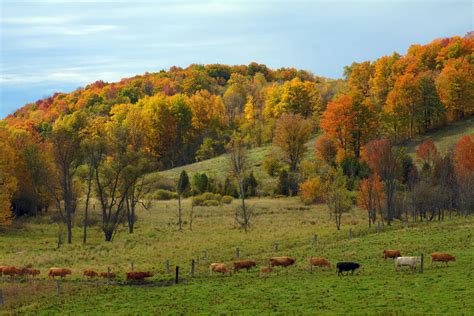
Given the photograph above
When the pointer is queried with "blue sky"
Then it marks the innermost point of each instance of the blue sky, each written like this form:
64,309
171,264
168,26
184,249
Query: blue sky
54,45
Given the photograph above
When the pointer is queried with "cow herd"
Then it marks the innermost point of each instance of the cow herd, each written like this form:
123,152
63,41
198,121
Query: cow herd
341,267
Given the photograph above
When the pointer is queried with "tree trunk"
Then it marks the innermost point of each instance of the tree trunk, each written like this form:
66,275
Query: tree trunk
244,210
179,212
89,185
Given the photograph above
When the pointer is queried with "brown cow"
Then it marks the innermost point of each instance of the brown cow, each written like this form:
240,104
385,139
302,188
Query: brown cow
244,264
107,275
442,257
138,276
62,272
9,270
1,269
319,262
219,267
90,274
282,261
391,254
33,272
23,272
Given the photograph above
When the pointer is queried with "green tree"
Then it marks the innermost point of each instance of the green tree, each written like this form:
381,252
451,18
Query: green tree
338,196
182,188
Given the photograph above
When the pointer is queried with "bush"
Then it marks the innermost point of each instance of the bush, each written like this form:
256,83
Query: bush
312,191
200,183
162,195
211,203
201,200
227,199
272,165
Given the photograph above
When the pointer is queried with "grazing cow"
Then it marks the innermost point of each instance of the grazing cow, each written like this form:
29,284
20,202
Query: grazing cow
282,261
219,267
346,266
391,254
319,262
9,270
33,272
244,264
62,272
107,275
1,269
138,276
411,262
23,272
442,257
90,274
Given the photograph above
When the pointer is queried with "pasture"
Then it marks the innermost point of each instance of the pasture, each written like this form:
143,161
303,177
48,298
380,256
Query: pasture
375,289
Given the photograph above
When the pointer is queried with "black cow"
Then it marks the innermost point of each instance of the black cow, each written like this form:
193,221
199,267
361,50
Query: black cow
346,266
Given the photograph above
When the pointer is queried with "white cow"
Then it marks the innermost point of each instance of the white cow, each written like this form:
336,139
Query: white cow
407,261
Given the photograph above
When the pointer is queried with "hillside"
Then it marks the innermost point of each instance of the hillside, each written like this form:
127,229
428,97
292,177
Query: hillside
444,138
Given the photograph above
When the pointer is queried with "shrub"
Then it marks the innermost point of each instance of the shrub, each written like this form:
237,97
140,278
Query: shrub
211,203
200,200
200,183
162,195
272,165
227,199
312,191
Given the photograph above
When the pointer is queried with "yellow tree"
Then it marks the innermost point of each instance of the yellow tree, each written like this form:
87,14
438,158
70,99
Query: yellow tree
8,182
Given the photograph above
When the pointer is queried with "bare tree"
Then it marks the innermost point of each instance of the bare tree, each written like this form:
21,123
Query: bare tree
239,168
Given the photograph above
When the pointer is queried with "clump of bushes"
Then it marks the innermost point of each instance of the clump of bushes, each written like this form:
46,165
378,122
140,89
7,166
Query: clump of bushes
312,191
206,198
161,194
227,199
272,165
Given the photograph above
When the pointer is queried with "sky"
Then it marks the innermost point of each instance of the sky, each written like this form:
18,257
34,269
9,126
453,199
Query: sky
56,45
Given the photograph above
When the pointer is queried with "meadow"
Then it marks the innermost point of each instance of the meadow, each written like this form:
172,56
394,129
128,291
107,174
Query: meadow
375,289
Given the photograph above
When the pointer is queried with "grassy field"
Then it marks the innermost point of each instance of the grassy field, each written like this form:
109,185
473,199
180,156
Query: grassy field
376,289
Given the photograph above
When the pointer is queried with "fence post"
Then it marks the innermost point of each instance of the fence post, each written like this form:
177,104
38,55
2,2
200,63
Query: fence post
275,247
378,227
237,253
192,267
108,273
421,265
1,297
176,278
132,265
315,237
350,233
58,288
311,264
167,266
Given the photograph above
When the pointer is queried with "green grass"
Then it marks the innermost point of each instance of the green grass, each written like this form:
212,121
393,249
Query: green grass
376,289
446,137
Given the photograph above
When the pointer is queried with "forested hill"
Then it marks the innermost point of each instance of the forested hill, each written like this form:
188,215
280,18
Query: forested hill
171,118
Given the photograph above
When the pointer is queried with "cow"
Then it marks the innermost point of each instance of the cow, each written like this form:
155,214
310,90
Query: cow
90,274
411,262
62,272
23,272
138,276
319,262
442,257
346,266
281,261
219,267
391,254
244,264
9,270
1,269
107,275
33,272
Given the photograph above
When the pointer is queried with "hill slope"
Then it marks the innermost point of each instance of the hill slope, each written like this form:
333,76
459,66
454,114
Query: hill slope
444,139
